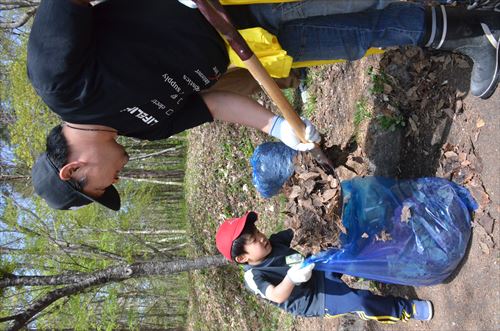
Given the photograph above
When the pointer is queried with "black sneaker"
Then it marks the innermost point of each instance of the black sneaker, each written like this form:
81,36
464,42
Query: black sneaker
484,5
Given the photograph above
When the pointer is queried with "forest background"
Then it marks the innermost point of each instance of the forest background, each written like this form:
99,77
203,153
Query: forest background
406,113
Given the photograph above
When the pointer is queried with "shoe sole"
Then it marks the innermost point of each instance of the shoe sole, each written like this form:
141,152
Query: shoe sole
431,310
494,82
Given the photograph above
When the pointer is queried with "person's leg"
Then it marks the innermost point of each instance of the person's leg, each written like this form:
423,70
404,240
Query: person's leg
348,36
272,16
341,299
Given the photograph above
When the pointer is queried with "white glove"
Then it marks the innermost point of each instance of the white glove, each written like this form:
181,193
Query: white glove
299,275
282,130
188,3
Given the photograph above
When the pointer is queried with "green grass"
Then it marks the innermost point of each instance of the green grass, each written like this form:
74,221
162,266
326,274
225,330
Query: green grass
290,94
391,123
310,106
362,112
216,175
378,79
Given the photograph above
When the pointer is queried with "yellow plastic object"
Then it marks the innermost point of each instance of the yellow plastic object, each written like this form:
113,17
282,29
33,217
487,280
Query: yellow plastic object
249,2
266,47
274,58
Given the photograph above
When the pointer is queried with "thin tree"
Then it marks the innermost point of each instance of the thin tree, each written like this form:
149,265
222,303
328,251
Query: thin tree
74,283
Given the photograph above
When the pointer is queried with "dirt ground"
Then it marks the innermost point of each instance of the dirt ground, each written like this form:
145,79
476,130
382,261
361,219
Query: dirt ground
438,129
402,114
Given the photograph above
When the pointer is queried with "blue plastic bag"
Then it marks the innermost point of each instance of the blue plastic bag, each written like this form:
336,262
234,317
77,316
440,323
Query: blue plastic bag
272,164
411,232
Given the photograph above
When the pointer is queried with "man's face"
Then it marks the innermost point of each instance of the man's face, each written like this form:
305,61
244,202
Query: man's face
257,247
104,168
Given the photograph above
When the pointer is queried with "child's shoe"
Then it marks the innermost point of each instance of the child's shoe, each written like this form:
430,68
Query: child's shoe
422,310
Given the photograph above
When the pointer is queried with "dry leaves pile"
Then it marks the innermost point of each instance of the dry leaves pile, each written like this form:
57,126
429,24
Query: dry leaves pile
313,209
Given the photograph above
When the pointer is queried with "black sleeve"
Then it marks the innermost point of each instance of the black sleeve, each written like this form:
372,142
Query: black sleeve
60,45
195,112
285,237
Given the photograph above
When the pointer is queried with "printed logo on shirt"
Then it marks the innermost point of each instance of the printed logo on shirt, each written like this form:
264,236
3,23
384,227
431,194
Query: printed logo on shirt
142,115
171,82
191,83
158,104
202,76
161,106
176,97
216,75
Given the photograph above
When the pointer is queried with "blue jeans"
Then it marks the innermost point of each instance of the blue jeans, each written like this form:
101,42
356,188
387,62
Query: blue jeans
341,29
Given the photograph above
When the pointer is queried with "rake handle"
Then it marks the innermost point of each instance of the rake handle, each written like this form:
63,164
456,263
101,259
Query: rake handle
216,15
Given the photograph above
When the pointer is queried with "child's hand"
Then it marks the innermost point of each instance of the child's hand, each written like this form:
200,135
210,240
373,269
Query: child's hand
299,275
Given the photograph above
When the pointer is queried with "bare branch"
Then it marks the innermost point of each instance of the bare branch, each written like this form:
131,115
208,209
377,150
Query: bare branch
140,157
20,22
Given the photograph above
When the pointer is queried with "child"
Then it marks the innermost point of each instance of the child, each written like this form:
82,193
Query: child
273,271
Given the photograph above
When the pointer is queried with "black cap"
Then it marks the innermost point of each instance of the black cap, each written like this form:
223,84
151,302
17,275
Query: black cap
61,194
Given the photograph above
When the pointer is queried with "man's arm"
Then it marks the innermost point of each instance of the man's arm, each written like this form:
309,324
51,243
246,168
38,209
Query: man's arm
235,108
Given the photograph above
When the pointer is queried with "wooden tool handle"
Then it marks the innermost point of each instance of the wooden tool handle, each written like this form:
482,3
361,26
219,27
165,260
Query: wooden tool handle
214,12
274,92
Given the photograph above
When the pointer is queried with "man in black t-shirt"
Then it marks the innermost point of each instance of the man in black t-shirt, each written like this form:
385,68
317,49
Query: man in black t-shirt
143,69
128,68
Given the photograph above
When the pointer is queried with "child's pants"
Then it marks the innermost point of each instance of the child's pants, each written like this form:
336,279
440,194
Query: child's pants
341,299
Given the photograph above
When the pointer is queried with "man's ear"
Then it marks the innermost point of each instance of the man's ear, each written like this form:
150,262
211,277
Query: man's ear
67,171
241,258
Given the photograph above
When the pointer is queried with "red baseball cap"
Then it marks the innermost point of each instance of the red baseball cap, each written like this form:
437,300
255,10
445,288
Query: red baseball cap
229,231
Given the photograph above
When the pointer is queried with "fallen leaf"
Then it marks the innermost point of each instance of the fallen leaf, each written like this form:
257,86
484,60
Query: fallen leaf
413,125
296,190
480,123
412,93
450,154
309,185
308,175
383,236
306,204
405,214
328,195
317,202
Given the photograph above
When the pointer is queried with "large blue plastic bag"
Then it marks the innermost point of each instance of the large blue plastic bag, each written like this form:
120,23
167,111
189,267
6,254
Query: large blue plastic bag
272,164
411,232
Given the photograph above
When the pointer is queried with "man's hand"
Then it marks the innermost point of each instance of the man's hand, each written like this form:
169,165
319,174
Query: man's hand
299,275
282,130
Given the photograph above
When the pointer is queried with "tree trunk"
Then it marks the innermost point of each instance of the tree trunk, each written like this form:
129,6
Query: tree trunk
80,282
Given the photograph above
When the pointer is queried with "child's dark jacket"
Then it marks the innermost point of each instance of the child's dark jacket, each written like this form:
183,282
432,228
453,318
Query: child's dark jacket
306,299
